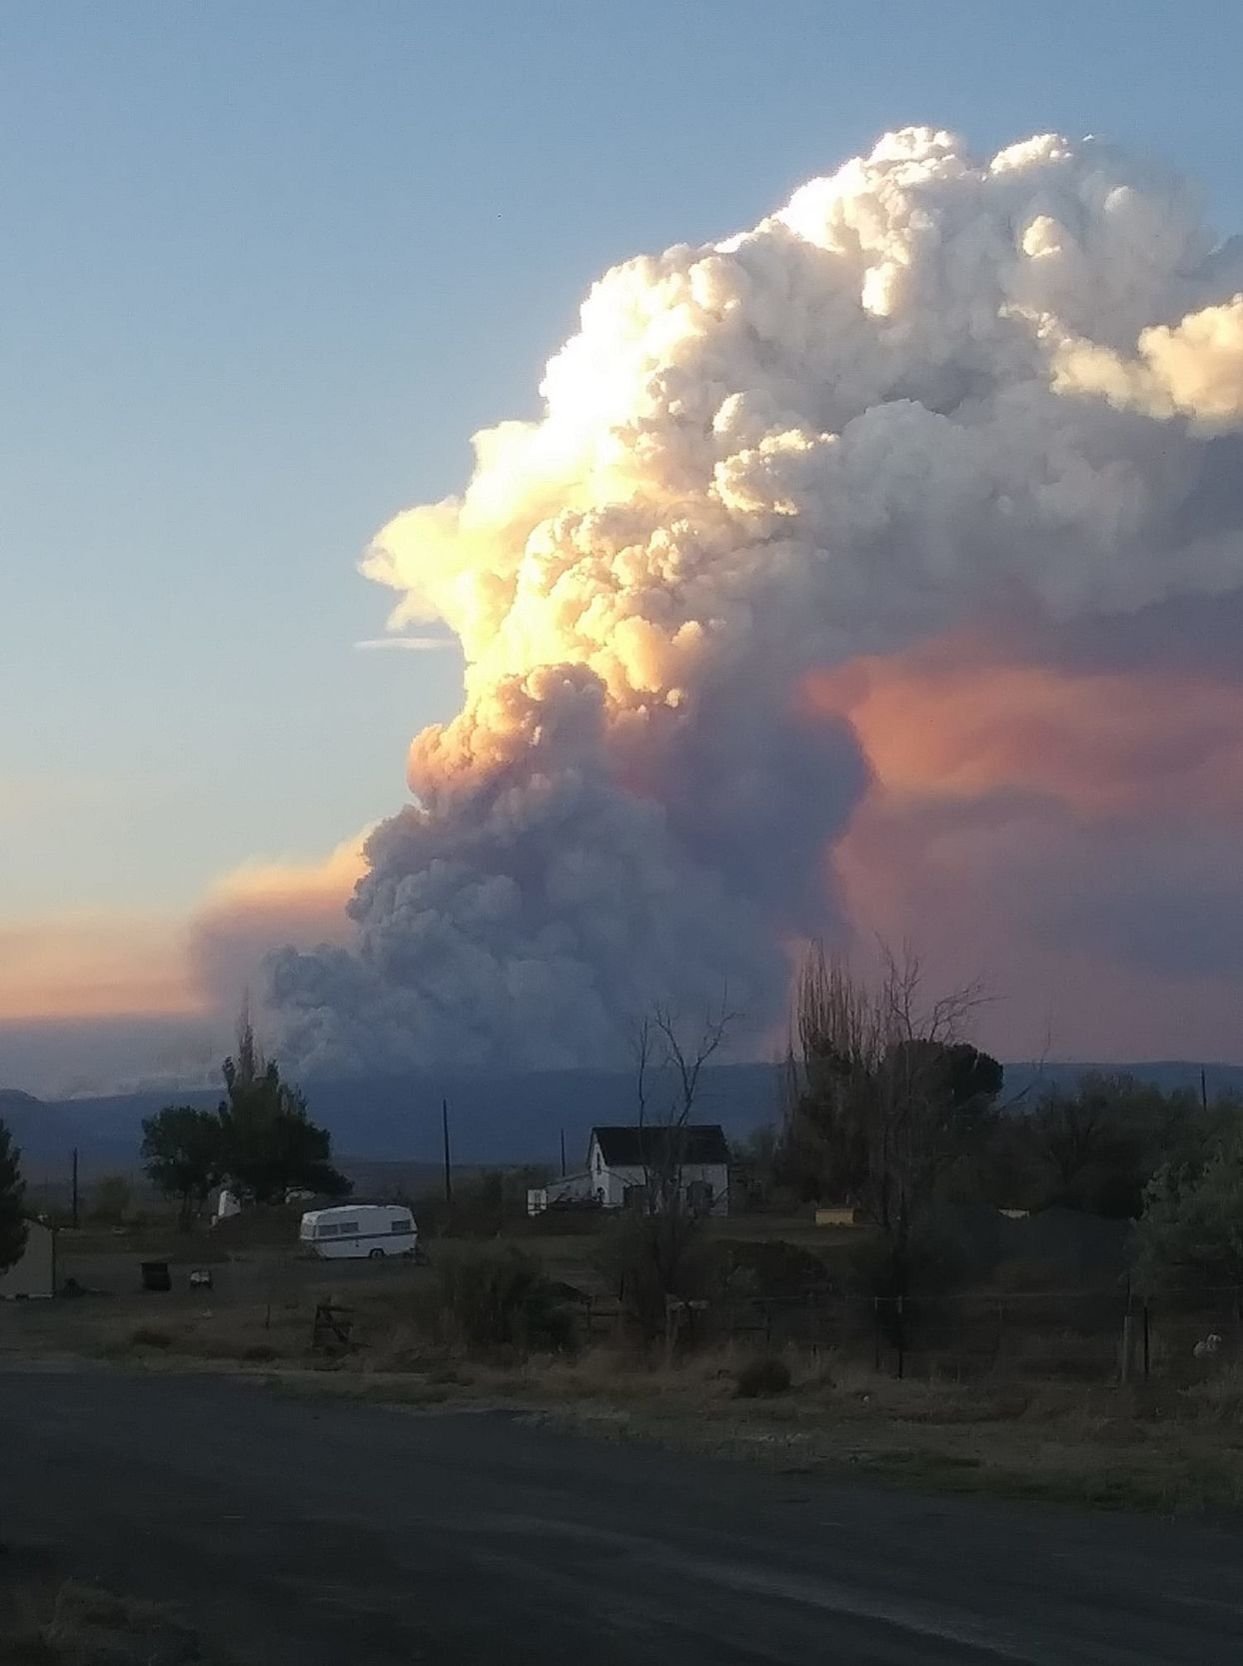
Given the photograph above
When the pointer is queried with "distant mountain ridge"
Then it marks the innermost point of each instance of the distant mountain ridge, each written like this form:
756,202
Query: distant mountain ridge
493,1118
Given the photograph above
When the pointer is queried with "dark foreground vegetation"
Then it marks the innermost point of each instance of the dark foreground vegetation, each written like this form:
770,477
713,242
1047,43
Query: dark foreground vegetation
918,1275
49,1621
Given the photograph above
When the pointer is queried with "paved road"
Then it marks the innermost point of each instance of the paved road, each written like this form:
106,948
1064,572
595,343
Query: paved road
314,1532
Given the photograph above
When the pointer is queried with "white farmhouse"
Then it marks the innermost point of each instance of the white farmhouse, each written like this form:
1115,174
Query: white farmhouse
620,1161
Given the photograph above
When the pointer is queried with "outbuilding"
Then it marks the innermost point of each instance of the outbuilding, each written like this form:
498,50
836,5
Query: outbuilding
33,1275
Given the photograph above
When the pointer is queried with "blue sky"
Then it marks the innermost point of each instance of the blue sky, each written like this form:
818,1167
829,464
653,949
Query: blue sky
267,266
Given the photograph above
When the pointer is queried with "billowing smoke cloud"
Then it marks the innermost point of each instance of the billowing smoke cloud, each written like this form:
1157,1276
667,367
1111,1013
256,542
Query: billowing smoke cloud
930,399
1194,369
232,931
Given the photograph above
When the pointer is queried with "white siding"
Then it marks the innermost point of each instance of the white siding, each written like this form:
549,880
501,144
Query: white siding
598,1180
614,1181
569,1187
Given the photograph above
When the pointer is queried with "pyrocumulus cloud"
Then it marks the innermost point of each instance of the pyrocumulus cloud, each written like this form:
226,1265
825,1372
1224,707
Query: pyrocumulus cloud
930,394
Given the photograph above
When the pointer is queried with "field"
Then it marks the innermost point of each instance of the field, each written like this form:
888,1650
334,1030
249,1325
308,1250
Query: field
1044,1417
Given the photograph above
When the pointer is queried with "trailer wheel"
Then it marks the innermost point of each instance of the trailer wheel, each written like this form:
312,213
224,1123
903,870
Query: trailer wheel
375,1255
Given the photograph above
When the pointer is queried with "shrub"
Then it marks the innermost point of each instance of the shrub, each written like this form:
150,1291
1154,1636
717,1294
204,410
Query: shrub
776,1269
649,1258
933,1260
1029,1275
147,1336
766,1375
484,1204
259,1353
496,1296
1190,1227
90,1625
111,1201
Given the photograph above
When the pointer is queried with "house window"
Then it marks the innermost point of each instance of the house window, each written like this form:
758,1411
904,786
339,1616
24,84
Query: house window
599,1162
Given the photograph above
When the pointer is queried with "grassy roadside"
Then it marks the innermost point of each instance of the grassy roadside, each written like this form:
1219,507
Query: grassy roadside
1173,1447
1169,1449
1180,1453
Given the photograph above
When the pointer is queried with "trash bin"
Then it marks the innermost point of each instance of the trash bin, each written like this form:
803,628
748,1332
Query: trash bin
156,1276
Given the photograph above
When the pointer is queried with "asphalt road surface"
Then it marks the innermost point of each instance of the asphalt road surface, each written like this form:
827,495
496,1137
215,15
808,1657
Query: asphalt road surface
312,1531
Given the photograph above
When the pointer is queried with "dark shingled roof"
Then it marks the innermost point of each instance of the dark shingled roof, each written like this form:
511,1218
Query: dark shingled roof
633,1147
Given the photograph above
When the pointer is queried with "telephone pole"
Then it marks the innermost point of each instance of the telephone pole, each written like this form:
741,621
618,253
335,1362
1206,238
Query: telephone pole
444,1124
75,1188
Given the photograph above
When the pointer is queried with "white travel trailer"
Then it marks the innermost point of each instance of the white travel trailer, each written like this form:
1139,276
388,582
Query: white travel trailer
353,1230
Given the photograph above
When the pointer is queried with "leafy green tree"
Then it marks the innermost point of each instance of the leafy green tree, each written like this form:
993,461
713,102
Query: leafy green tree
1096,1145
12,1200
182,1148
1100,1143
268,1143
1191,1230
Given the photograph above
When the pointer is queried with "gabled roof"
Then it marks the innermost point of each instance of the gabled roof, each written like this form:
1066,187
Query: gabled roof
702,1142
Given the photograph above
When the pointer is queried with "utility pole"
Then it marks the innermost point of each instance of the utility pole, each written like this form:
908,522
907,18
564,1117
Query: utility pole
444,1123
563,1153
75,1188
1203,1090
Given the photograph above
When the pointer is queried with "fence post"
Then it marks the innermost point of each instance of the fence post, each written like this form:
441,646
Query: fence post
901,1340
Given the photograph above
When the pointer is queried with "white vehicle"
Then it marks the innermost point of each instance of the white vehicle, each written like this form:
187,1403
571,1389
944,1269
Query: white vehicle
353,1230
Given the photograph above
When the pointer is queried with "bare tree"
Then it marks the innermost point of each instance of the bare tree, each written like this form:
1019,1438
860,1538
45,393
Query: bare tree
657,1244
889,1094
687,1058
677,1053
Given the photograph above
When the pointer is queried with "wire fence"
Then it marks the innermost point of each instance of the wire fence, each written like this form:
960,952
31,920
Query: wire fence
1107,1334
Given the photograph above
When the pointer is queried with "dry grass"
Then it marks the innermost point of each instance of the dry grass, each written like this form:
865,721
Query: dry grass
67,1624
240,1336
1028,1428
1171,1452
1175,1451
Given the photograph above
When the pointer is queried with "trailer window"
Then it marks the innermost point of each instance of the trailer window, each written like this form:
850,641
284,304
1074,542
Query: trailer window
402,1224
347,1228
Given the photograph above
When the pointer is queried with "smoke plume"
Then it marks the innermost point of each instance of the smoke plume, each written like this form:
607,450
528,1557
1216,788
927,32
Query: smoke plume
931,401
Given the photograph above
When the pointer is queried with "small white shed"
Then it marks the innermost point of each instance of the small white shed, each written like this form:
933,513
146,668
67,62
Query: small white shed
33,1276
